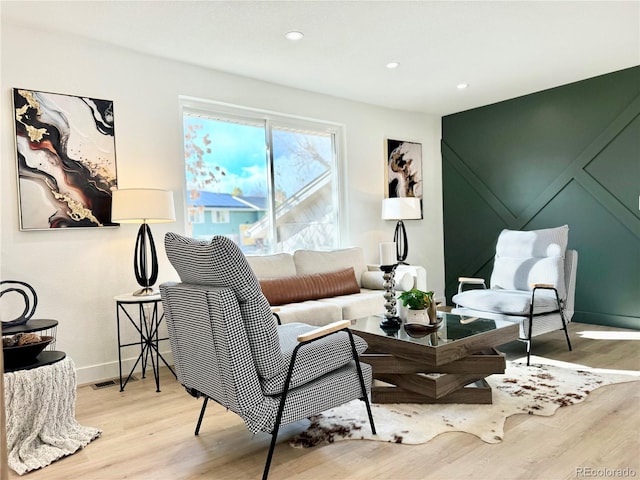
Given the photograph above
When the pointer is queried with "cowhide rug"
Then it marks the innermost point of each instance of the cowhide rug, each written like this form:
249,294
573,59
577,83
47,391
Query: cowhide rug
536,390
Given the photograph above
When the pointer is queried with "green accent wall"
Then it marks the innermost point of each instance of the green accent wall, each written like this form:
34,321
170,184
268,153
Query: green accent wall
568,155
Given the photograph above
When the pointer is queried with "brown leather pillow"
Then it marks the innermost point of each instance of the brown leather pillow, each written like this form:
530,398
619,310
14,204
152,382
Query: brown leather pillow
298,288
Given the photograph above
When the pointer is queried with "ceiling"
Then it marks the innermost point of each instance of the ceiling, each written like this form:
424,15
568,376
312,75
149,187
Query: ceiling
500,49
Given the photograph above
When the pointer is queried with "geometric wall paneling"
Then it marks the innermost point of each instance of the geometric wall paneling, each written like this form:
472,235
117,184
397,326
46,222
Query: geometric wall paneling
565,155
618,133
518,147
617,167
608,280
472,216
468,221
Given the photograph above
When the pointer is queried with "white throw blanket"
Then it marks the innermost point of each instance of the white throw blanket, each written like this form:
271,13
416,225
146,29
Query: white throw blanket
41,424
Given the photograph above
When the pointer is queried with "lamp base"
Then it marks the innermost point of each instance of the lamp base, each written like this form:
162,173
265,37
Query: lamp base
391,322
143,292
402,245
146,272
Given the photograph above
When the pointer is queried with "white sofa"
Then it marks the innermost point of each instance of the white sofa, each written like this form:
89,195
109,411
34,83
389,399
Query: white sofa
304,269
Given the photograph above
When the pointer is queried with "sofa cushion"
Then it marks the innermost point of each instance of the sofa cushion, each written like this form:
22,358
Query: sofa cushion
547,242
299,288
272,266
526,257
364,304
311,312
520,273
314,359
506,302
220,263
315,261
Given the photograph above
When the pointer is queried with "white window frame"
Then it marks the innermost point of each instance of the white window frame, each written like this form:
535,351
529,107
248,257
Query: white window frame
227,111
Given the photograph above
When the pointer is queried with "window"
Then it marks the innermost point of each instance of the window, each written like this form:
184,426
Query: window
220,216
196,215
267,181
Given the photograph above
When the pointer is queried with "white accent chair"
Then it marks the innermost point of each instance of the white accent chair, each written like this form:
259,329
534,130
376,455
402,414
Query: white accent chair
532,283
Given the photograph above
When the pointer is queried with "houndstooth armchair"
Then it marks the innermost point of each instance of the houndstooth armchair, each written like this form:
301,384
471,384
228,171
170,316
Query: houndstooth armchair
227,346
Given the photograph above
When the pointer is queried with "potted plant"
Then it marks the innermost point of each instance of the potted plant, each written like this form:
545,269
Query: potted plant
422,307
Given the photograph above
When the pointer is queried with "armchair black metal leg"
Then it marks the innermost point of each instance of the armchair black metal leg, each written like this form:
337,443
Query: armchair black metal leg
560,311
285,391
566,333
365,397
564,321
368,405
204,407
529,335
283,399
272,446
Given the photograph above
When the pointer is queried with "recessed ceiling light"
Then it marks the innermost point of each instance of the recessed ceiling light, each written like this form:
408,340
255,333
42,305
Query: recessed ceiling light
392,65
294,36
462,86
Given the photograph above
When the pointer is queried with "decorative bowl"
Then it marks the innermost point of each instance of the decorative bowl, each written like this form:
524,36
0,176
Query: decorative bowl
419,330
24,354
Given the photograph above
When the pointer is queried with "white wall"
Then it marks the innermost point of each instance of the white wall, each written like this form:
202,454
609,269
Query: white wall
77,272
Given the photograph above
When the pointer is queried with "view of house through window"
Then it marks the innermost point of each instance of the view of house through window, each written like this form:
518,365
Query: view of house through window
268,184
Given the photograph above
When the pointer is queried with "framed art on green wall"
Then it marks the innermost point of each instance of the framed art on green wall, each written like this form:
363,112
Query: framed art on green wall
66,161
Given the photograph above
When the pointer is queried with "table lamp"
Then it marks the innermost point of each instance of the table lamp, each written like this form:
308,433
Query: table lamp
143,206
401,208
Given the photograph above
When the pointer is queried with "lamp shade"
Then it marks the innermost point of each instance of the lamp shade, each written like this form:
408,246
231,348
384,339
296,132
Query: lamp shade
401,208
142,205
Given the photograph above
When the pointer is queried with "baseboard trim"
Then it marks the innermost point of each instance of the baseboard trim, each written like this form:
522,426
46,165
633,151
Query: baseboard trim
107,371
619,321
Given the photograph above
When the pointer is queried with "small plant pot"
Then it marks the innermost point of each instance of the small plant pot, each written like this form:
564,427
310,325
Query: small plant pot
419,317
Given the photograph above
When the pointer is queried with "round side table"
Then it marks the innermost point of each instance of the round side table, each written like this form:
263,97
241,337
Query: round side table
46,357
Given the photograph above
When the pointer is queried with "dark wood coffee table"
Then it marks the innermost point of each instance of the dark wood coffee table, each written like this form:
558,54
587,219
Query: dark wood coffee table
447,365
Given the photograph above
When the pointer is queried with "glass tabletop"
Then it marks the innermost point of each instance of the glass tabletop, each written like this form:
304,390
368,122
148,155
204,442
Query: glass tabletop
450,328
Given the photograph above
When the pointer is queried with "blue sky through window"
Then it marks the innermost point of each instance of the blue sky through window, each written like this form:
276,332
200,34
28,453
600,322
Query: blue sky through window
238,151
236,154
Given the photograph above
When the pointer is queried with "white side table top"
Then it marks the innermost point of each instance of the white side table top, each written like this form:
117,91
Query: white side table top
131,298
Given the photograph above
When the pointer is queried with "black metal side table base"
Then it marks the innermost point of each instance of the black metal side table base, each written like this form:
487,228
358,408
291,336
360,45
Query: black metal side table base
147,326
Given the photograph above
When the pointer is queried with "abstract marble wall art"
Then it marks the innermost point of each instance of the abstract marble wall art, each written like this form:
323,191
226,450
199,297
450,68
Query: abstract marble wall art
66,160
403,169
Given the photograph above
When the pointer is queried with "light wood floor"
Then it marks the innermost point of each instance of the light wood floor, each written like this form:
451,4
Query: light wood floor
149,435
